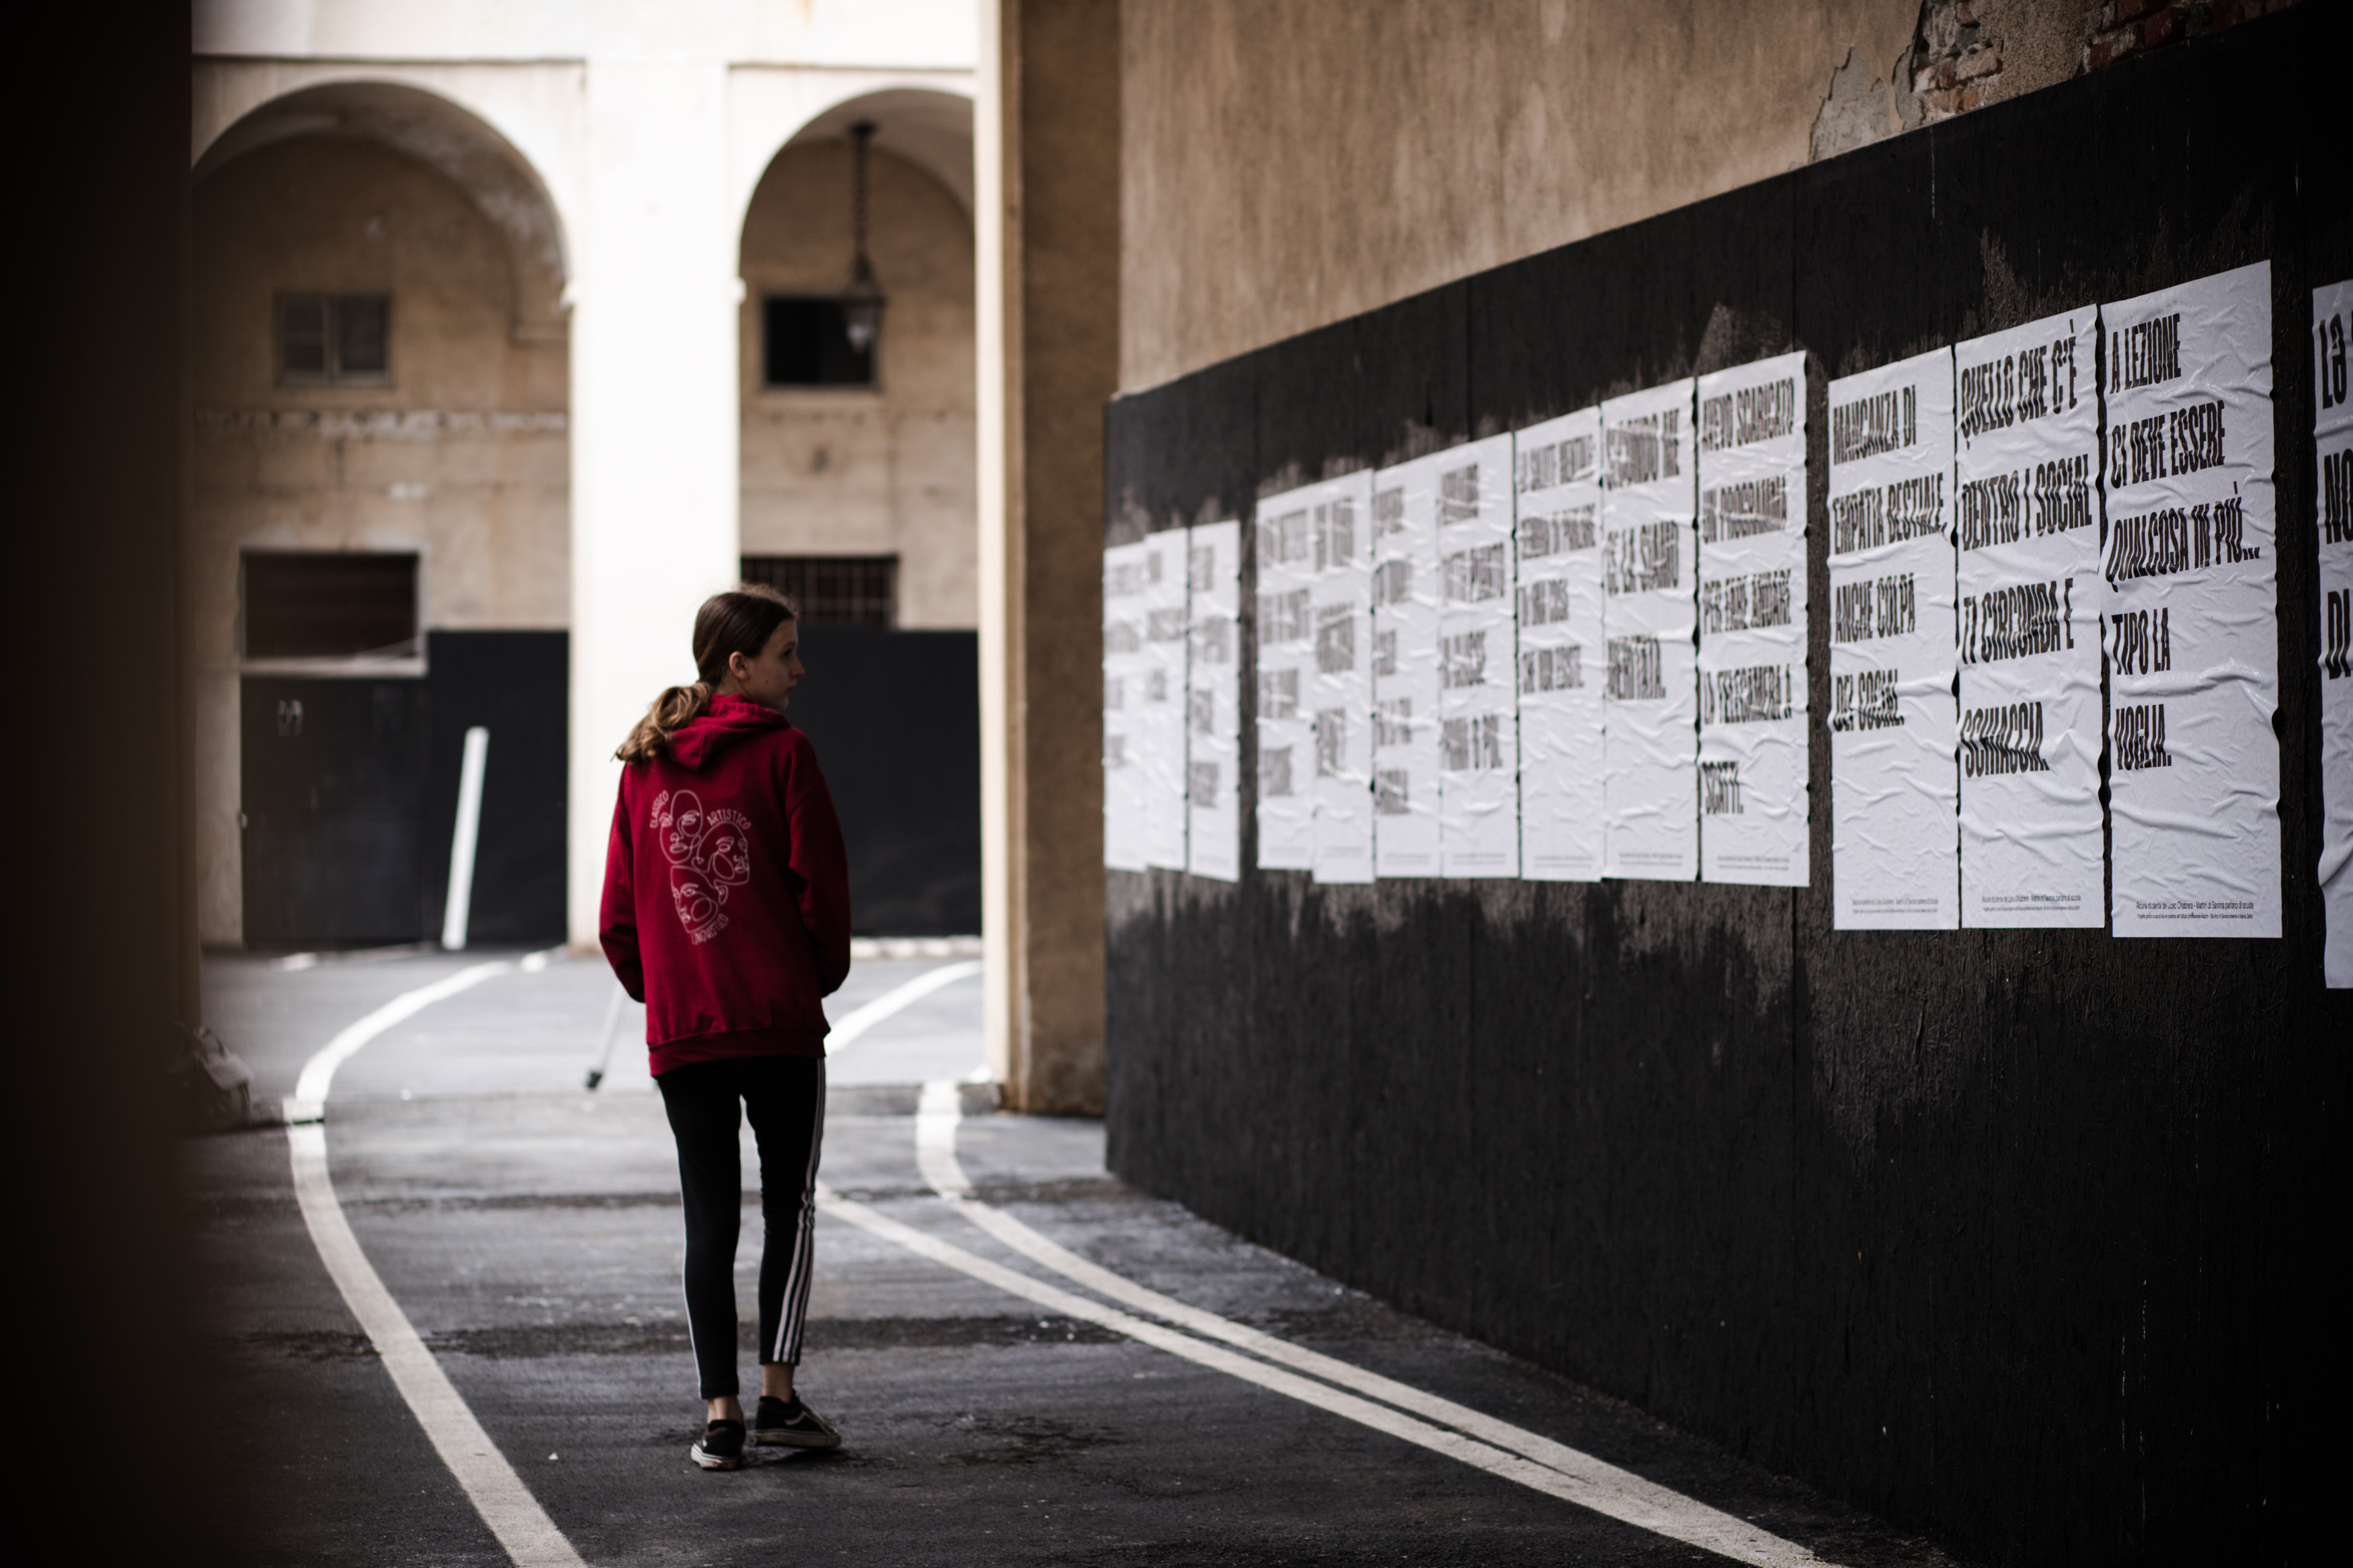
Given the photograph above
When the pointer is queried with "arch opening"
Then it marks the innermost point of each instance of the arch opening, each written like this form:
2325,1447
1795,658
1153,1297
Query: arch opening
862,495
426,452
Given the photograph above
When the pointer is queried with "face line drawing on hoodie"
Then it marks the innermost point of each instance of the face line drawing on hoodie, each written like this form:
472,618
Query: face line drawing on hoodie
710,853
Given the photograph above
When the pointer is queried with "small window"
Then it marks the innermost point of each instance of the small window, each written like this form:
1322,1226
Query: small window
326,340
806,343
861,589
328,604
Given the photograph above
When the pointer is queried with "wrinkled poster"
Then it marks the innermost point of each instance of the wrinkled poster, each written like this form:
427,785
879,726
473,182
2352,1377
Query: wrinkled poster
1159,727
1340,519
1478,719
1213,722
1894,836
1650,747
1557,476
1286,805
1123,707
2332,428
2026,516
1406,692
2192,629
1752,624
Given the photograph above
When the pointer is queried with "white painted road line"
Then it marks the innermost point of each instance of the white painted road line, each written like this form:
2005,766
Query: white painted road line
895,999
1380,1418
309,1101
1592,1483
506,1505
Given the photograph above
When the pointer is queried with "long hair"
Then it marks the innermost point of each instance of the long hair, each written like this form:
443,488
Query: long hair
738,621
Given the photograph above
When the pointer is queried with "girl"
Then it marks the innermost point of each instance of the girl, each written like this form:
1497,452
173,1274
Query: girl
727,912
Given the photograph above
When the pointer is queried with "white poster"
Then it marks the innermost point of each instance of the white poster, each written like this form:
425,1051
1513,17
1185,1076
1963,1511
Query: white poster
1896,853
1123,673
2026,516
1286,651
1213,707
1160,726
1558,476
2191,631
1405,669
2332,428
1478,715
1340,519
1752,624
1650,747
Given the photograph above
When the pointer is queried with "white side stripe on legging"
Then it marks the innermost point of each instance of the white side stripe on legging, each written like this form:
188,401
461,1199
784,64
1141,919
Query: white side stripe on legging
1588,1482
506,1505
792,1313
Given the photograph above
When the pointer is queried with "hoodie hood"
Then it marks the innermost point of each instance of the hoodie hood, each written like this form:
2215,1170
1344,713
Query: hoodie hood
728,719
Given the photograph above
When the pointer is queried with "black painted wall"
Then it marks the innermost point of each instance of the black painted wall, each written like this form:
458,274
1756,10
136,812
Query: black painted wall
518,686
2019,1236
895,718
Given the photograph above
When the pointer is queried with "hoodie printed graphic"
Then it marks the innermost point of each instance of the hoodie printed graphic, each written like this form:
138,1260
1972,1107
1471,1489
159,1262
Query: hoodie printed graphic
726,905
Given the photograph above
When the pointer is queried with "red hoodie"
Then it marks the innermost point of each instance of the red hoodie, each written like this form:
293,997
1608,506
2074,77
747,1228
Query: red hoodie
727,890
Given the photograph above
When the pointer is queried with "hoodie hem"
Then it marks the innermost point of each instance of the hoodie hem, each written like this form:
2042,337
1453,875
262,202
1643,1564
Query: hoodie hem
729,1044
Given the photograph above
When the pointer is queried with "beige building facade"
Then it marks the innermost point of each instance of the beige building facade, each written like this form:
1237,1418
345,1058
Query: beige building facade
573,214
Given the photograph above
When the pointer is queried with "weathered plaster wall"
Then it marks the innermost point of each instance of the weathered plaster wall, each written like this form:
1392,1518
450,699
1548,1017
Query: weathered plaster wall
851,471
463,459
1287,165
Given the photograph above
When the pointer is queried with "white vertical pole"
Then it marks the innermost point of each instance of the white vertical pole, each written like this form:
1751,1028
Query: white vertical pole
462,841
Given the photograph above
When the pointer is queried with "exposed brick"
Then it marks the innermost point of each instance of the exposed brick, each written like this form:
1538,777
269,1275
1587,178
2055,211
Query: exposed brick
2121,11
2097,56
1978,63
1970,97
2165,28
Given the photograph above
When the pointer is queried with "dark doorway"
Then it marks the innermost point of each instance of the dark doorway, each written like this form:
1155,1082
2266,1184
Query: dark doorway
335,847
895,718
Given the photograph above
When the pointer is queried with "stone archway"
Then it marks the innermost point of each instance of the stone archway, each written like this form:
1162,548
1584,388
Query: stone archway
431,459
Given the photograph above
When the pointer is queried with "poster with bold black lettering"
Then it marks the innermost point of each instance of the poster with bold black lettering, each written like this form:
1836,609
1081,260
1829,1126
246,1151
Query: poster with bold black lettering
1213,720
1895,842
1123,707
2332,429
2026,517
1478,711
1284,539
2190,628
1340,524
1556,468
1752,624
1406,690
1649,693
1159,729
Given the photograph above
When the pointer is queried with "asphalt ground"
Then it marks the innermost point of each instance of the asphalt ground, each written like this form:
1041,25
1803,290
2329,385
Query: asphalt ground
529,1230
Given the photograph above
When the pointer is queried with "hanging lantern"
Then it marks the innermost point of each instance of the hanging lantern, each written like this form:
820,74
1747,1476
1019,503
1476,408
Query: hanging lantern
861,298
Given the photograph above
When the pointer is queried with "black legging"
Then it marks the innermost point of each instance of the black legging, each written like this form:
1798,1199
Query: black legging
786,1098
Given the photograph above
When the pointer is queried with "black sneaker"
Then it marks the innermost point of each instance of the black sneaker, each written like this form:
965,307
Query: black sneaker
720,1447
791,1425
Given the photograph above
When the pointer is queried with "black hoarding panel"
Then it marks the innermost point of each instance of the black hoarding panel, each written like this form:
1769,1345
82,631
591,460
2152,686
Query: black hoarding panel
2013,1235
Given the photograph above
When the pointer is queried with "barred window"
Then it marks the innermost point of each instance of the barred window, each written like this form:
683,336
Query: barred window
862,590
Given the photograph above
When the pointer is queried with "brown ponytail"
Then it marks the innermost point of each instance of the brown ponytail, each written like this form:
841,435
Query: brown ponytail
738,621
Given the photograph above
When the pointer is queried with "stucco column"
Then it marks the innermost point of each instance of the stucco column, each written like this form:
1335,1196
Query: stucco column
654,416
1047,178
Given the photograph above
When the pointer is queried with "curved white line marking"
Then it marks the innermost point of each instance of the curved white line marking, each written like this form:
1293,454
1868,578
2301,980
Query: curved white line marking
1588,1481
896,1000
506,1505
